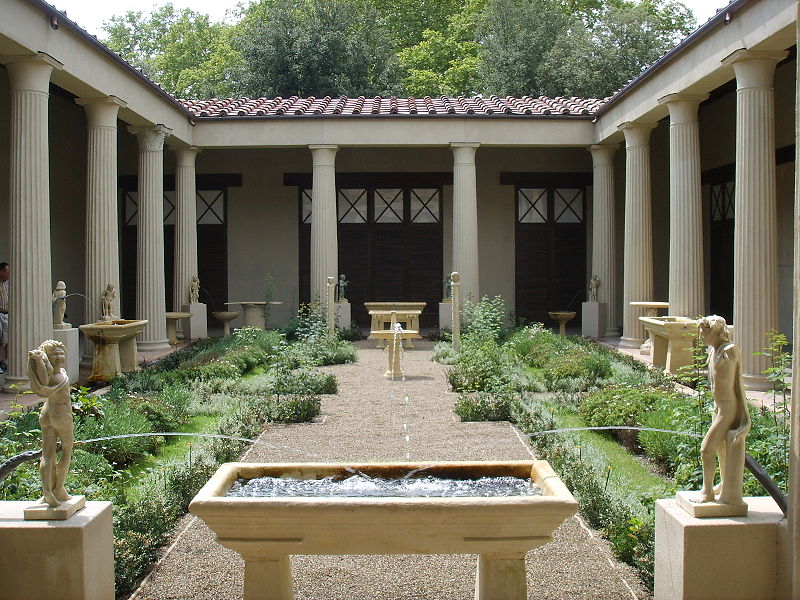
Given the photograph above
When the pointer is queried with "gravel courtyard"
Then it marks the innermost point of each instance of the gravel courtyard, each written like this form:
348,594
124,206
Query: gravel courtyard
372,418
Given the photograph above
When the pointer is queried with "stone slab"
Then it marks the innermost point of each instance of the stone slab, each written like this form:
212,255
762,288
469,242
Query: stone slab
343,314
730,558
71,340
42,511
593,319
195,327
57,560
445,315
706,510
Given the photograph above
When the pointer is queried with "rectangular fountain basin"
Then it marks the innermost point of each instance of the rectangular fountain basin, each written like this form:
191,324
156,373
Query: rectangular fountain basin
267,530
472,525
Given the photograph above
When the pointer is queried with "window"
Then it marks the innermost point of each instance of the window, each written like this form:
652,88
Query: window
425,205
568,205
352,206
532,205
210,205
722,201
389,205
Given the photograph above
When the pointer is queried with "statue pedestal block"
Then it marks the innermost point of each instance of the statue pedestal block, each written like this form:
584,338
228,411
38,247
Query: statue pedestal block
593,319
343,316
70,339
54,560
731,558
195,327
445,315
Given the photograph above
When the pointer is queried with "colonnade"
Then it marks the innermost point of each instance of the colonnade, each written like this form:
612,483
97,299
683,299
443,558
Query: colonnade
755,294
29,215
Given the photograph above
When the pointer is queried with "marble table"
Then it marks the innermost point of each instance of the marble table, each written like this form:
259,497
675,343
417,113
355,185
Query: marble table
253,312
172,322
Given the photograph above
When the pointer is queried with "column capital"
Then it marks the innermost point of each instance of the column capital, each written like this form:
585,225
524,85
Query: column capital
30,72
683,107
636,134
602,154
101,111
323,154
465,144
185,155
464,152
151,137
753,68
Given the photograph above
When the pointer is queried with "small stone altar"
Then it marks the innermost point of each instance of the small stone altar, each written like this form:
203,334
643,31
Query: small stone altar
407,313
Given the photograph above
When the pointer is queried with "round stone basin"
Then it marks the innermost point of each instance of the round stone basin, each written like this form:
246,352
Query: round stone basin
113,331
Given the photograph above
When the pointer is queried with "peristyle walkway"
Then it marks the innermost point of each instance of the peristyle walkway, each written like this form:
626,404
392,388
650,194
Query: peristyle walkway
372,418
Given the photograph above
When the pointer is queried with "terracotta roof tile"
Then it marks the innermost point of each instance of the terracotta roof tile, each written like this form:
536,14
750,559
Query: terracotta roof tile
460,106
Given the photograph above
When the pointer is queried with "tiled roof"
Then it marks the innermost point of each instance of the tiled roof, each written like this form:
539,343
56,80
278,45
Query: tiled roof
383,106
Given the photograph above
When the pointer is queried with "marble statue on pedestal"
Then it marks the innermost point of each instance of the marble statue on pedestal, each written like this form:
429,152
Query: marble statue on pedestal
594,284
731,419
60,306
108,299
49,380
194,290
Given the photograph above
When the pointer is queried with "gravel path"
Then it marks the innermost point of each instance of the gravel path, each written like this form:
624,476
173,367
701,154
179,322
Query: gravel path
372,418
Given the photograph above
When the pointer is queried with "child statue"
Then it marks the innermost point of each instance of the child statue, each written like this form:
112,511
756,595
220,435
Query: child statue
594,284
194,290
340,289
731,419
60,306
107,298
49,380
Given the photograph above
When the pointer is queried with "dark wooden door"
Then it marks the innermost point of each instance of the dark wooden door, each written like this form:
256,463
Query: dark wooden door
550,251
721,252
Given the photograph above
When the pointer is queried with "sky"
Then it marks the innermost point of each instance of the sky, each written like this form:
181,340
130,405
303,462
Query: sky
90,14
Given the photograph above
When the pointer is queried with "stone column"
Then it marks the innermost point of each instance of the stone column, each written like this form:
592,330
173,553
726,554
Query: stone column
604,250
465,219
755,245
30,320
150,288
638,251
185,225
102,240
686,265
324,241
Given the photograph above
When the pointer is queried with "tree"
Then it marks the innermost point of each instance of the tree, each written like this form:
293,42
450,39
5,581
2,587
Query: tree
315,48
181,50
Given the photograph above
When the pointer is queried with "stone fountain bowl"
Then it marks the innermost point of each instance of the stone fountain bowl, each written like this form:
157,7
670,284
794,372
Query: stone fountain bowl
327,525
225,315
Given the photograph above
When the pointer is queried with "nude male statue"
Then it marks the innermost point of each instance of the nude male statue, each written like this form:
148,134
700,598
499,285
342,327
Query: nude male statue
731,421
49,380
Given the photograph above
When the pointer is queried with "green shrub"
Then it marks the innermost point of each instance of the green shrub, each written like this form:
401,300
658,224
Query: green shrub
89,474
120,418
618,406
479,366
488,319
294,409
483,406
443,353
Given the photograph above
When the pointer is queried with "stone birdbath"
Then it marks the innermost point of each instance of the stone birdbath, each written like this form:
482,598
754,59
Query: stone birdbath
172,322
394,339
562,317
114,347
226,316
501,530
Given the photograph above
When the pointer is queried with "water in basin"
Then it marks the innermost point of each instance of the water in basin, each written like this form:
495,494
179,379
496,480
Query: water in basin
360,486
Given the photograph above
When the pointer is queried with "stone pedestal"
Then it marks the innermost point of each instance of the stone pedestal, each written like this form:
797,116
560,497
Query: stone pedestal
70,339
196,326
733,558
343,315
445,315
54,560
593,319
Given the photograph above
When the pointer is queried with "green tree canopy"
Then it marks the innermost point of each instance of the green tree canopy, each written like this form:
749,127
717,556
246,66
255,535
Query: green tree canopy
181,50
315,48
586,48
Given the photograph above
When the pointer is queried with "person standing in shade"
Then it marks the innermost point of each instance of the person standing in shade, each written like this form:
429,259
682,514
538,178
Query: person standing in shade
4,275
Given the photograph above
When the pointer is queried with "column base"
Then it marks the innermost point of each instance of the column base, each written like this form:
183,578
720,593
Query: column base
610,333
153,346
625,342
15,385
756,383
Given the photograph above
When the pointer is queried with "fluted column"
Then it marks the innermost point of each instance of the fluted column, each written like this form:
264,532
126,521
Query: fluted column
686,264
150,288
185,225
604,250
465,219
755,238
324,241
638,254
30,320
102,239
